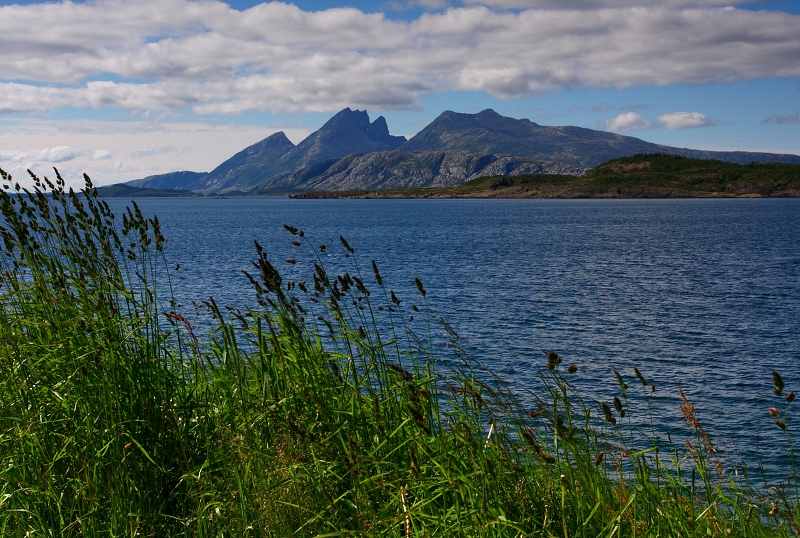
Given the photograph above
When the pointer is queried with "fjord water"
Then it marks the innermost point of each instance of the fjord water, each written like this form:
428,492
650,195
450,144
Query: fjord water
698,294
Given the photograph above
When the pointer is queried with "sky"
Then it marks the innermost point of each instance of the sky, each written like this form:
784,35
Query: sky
122,90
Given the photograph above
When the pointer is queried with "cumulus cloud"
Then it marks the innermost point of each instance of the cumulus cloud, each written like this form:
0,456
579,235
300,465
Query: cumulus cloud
628,121
212,59
782,120
58,154
685,120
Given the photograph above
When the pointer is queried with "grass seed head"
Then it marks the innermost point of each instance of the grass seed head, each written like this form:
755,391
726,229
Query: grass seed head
346,244
777,383
607,414
418,282
639,376
622,383
378,278
553,360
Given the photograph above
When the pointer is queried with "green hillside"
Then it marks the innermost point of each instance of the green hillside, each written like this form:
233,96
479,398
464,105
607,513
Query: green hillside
698,176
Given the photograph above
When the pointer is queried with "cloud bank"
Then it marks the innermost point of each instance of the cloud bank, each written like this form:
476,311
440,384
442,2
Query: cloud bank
212,59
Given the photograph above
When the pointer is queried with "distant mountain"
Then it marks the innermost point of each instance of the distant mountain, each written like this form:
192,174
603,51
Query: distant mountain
489,132
349,152
248,167
386,169
349,131
172,180
122,190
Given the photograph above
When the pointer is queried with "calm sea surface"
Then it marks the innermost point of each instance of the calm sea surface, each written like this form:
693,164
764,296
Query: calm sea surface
699,294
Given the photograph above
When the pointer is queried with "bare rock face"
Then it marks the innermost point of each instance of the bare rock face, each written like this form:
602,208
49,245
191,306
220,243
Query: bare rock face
387,169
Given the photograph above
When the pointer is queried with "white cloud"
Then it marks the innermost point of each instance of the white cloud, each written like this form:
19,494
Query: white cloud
595,4
147,152
102,149
58,154
685,120
627,121
783,120
205,56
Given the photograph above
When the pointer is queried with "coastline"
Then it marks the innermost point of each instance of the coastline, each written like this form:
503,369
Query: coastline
527,192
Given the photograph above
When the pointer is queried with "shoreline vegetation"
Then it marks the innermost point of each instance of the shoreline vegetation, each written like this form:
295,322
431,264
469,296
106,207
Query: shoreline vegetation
640,176
326,411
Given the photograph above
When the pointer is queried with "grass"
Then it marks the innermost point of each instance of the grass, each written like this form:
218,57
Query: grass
321,413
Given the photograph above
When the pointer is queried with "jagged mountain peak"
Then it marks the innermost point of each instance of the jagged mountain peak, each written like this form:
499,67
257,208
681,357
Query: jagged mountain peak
349,131
274,140
352,127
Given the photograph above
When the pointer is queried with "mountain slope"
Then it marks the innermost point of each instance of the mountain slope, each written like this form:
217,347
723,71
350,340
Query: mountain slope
246,167
489,132
349,131
388,169
173,180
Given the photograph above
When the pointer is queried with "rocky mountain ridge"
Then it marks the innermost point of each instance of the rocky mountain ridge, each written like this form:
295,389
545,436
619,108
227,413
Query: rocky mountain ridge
350,152
414,169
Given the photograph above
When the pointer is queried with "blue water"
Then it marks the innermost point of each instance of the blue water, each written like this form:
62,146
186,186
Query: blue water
699,294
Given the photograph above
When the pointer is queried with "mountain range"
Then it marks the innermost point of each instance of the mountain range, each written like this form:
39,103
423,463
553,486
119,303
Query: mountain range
350,152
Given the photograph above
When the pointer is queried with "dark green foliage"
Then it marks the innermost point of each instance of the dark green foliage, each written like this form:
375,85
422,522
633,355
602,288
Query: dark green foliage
695,175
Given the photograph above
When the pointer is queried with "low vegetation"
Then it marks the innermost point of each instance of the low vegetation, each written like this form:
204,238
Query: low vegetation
321,413
640,176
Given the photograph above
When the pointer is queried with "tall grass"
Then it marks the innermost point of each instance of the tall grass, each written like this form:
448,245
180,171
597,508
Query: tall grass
322,413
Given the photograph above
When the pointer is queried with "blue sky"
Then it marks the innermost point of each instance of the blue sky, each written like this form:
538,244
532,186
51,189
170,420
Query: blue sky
122,90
